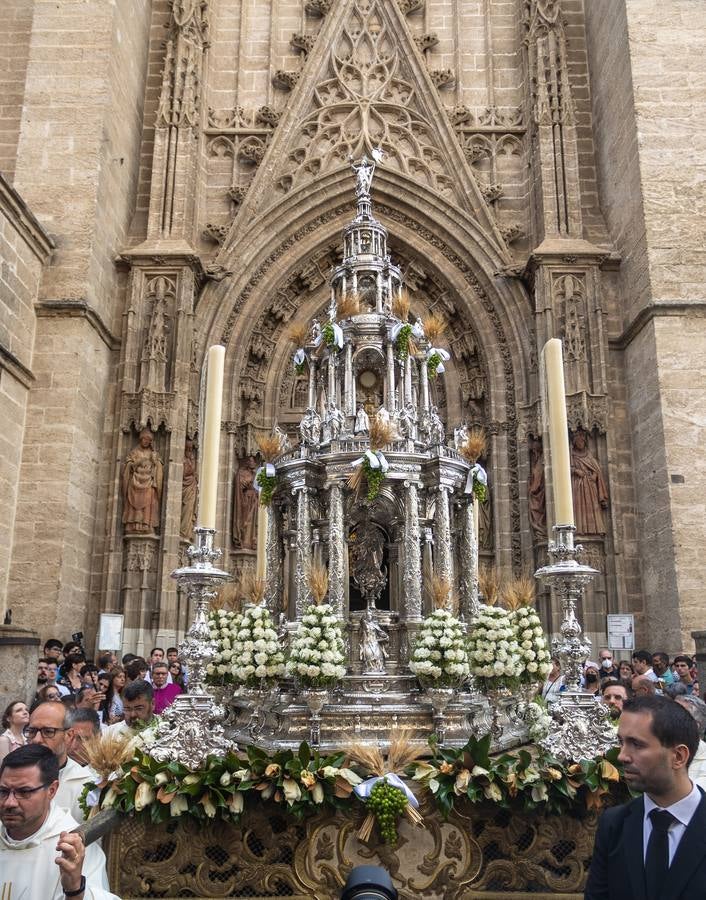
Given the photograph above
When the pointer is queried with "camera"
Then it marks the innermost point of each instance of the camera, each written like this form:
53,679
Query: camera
369,883
78,637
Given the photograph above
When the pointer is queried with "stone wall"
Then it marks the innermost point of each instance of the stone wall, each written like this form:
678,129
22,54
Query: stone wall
15,29
24,249
648,102
77,168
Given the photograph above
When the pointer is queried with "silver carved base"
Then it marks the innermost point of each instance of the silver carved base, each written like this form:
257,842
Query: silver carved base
583,728
439,698
315,699
191,729
367,708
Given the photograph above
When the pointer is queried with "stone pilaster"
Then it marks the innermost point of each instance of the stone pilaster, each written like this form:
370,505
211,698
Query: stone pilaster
412,560
336,549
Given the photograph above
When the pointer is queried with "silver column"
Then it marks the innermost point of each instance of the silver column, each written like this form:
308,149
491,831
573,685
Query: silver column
468,563
412,572
274,592
312,383
443,554
348,400
390,399
336,549
303,551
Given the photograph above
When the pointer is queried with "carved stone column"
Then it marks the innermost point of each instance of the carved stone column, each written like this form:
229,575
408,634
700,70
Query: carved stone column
312,384
390,399
412,571
407,381
348,399
443,553
424,378
275,562
336,549
468,564
302,552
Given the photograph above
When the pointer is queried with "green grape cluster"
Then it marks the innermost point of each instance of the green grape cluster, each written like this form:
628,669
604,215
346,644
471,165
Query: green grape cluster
387,803
375,478
433,364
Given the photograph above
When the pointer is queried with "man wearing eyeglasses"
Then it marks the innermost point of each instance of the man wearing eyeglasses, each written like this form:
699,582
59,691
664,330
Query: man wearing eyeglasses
49,725
34,830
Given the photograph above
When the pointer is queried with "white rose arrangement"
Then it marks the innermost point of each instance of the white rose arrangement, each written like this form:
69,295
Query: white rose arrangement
316,657
534,654
538,719
223,625
257,655
493,649
440,655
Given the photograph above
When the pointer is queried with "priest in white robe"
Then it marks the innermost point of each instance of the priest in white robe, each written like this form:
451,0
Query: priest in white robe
40,857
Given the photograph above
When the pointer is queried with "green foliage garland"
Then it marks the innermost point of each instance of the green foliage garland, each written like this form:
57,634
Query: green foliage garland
267,484
480,491
329,336
433,364
300,368
402,342
303,782
374,477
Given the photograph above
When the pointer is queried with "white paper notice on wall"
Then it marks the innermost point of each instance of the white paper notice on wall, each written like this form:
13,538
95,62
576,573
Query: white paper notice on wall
621,632
110,632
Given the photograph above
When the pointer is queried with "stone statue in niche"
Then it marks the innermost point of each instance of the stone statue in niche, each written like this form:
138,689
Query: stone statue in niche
189,492
310,427
362,421
485,524
285,445
588,486
142,486
437,435
245,502
372,639
536,489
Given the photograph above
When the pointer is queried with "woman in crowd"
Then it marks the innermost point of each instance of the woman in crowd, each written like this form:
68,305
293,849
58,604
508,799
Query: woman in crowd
552,687
626,673
71,678
177,673
14,720
50,693
114,694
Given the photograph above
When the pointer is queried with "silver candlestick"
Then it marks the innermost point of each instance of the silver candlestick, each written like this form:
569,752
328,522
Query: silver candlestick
191,730
584,728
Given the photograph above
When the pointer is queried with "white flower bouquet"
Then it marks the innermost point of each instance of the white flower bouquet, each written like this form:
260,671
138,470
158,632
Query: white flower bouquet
535,658
223,625
538,719
316,657
493,649
256,658
440,655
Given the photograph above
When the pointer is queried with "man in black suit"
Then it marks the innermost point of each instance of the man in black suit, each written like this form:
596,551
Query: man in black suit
653,848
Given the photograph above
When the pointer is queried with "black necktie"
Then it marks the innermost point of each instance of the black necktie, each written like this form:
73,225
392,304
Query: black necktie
657,857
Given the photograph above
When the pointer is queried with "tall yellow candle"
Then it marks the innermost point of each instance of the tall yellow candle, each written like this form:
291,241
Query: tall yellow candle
555,395
261,564
211,436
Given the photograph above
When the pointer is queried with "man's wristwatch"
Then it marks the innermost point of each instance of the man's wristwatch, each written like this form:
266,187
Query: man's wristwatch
80,890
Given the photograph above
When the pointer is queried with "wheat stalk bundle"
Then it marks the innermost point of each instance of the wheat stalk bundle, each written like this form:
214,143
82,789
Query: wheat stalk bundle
434,328
347,306
489,582
401,306
441,592
381,432
318,583
252,588
298,333
107,753
402,753
520,592
475,446
269,446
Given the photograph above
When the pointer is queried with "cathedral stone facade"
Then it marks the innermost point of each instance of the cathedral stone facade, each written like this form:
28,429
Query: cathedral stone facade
176,173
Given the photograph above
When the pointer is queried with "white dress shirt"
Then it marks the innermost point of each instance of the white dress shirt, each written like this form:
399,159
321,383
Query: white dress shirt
682,811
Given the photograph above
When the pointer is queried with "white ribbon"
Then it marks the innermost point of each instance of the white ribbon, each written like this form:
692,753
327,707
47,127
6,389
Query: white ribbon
375,458
338,335
396,328
363,790
268,469
478,474
443,354
299,356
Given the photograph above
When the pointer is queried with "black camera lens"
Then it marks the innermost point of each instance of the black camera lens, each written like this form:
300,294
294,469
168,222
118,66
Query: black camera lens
369,883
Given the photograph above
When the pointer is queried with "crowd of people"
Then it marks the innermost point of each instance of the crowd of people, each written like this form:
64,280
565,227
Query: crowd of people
44,763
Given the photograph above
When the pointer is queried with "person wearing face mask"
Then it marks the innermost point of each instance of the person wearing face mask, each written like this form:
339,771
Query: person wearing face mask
591,681
608,668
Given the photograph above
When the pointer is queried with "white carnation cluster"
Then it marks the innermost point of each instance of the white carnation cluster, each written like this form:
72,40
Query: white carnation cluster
534,654
539,721
493,649
250,653
440,655
223,624
316,657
